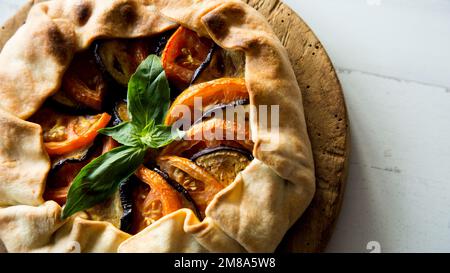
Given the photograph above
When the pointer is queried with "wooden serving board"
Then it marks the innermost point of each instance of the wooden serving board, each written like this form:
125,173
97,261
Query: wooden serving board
327,123
326,118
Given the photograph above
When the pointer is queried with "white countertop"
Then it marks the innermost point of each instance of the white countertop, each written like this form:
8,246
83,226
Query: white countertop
393,60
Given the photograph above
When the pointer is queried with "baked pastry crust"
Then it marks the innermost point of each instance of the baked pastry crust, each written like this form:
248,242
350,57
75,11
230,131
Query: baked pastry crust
251,214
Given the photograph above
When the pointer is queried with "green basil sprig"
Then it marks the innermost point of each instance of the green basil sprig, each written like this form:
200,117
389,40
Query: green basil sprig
148,101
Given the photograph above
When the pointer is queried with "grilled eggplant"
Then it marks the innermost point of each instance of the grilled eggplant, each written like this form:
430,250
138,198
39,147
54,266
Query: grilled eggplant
223,162
64,100
126,189
120,57
120,112
73,157
220,63
110,210
210,112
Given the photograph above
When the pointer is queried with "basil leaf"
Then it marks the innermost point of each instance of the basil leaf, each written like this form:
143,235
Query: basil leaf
99,179
148,93
157,136
148,101
125,133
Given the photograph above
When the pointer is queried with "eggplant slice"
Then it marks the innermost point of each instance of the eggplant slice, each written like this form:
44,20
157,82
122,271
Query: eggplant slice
121,57
75,156
223,162
211,112
64,100
110,211
220,63
120,112
205,65
126,198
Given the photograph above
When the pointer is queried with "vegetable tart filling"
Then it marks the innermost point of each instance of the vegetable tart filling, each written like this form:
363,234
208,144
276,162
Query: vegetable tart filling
109,134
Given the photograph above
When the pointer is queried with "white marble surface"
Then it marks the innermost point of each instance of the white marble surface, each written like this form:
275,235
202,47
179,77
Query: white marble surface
393,59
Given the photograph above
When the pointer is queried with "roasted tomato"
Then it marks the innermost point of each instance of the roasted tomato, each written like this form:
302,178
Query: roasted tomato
154,199
108,144
184,53
209,134
64,134
62,174
83,84
200,184
223,162
216,92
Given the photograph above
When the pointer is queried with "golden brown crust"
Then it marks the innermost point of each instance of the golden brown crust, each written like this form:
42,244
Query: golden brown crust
12,24
23,162
255,211
40,229
34,59
327,123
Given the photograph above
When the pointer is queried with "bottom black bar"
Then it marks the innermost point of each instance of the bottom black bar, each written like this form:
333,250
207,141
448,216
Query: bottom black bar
219,262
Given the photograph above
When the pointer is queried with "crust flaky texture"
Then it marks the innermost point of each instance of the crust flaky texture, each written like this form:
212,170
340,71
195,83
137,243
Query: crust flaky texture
252,214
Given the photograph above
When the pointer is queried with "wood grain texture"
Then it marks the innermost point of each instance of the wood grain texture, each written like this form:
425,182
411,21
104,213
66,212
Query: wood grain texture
326,118
327,122
12,24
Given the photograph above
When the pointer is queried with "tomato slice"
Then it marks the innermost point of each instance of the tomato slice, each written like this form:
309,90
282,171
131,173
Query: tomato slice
184,53
200,184
203,135
65,133
61,177
220,91
83,83
108,144
155,200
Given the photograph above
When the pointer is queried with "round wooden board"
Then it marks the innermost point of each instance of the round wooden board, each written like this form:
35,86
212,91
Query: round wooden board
326,118
327,122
